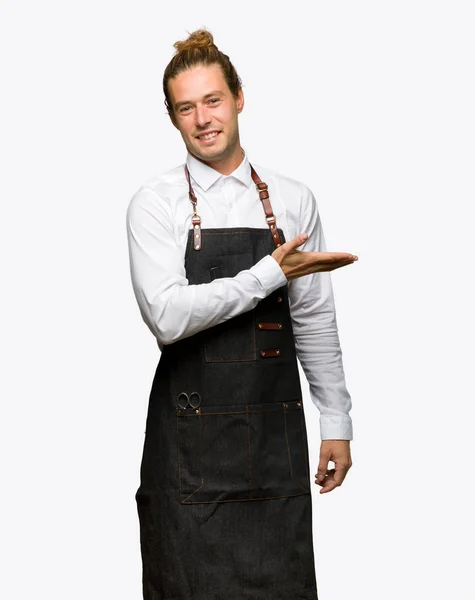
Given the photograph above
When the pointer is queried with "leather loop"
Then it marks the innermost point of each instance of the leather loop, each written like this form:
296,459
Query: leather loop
270,353
270,326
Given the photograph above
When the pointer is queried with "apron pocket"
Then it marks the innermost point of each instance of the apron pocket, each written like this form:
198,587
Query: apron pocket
233,340
242,452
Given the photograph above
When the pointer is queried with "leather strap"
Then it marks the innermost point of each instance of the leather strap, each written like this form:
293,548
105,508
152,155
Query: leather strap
195,219
263,196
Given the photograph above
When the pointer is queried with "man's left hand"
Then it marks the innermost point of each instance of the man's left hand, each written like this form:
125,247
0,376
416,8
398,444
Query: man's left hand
337,451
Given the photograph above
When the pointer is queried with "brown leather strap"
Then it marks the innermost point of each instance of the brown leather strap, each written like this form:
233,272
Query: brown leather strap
263,196
196,219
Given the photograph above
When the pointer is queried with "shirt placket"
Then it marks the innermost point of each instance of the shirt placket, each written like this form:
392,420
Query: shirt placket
228,191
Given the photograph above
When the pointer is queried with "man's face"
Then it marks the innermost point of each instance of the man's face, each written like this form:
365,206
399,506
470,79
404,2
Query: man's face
202,102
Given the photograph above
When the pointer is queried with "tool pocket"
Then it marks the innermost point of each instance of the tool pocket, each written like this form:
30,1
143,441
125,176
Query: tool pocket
242,452
233,340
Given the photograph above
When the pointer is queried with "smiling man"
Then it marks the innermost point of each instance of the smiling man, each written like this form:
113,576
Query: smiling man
231,274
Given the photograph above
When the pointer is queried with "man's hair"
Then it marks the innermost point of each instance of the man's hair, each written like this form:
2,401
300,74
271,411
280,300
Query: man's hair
199,49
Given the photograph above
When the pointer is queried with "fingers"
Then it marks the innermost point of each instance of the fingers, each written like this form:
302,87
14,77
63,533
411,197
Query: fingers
329,261
338,265
333,478
297,263
329,483
330,257
337,451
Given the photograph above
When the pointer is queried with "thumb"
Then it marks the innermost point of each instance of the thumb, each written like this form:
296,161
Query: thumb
297,241
281,252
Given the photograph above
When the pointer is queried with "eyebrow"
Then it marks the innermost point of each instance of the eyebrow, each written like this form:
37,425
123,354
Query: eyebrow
213,93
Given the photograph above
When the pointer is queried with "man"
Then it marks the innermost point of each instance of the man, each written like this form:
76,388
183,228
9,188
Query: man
224,500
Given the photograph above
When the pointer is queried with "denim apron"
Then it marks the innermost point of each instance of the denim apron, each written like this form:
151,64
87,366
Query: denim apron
224,501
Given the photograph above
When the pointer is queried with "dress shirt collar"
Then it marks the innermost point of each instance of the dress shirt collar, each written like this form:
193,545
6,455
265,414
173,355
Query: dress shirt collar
206,176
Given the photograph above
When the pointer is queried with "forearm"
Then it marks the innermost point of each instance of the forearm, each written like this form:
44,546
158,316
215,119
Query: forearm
179,310
171,307
321,359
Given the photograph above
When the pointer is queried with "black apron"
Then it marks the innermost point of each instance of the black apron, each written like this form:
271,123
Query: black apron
224,500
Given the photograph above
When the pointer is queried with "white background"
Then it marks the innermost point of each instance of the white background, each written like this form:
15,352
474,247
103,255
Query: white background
369,103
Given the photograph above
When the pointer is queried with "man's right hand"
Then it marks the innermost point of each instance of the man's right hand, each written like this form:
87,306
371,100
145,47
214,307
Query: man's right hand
296,263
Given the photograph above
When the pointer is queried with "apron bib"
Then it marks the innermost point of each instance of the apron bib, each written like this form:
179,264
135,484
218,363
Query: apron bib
224,500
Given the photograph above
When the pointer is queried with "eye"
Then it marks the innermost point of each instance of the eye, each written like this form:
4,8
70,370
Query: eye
214,100
183,109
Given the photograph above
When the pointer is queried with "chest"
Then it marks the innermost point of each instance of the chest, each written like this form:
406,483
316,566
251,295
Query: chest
231,206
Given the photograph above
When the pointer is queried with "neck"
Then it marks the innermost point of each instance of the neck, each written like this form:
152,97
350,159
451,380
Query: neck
227,165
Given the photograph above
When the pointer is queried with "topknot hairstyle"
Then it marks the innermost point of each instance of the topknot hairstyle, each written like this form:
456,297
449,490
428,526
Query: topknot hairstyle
199,49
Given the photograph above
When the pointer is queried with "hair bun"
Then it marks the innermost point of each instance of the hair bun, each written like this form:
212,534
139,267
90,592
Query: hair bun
201,38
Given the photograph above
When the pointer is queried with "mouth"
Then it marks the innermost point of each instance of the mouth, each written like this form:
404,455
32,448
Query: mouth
208,137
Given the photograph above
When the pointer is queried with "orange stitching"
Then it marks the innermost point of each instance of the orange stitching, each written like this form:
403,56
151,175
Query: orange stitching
307,493
178,454
193,493
179,467
211,360
231,412
249,452
267,407
305,487
259,231
287,440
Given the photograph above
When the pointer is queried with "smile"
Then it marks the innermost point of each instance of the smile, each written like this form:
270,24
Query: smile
208,136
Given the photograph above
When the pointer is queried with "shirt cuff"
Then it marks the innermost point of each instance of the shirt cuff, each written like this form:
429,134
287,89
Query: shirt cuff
334,427
269,274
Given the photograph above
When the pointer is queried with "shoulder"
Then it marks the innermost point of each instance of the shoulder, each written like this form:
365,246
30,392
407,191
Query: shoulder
166,183
158,193
292,191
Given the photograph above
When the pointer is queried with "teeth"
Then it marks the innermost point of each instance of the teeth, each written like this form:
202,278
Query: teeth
208,136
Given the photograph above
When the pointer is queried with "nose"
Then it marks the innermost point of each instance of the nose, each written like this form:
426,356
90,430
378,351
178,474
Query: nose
202,116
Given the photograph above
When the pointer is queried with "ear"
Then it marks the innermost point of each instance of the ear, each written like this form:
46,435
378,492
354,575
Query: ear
240,100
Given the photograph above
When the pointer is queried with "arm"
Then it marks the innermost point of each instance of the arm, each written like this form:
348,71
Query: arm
171,308
316,334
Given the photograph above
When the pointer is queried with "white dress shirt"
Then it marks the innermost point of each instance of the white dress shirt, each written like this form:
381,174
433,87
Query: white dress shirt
158,221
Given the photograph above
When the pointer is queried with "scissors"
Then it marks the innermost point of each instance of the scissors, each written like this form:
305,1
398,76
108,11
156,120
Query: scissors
193,400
